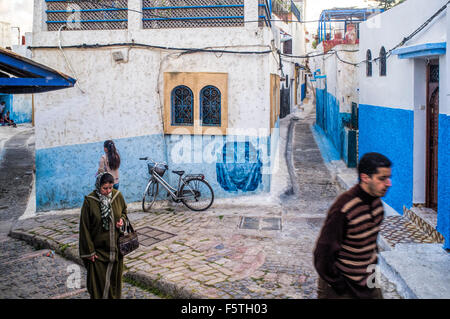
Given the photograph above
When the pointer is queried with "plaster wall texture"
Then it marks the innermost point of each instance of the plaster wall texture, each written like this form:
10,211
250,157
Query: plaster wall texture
397,86
117,94
122,101
335,93
396,104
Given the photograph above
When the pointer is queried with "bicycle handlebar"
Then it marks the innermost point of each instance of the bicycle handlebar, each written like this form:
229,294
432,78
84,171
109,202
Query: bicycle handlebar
149,159
146,159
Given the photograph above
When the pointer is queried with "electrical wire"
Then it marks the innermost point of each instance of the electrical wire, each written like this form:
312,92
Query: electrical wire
67,60
134,44
196,50
103,5
389,52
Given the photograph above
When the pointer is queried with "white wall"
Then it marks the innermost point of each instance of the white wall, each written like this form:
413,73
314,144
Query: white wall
313,9
420,97
397,87
341,80
5,34
123,97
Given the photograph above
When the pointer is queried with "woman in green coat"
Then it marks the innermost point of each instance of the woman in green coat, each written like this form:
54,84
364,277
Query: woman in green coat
103,214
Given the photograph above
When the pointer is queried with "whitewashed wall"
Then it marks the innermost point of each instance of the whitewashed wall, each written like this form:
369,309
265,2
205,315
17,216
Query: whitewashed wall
122,101
388,30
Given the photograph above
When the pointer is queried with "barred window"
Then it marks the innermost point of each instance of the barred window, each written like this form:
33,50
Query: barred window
383,61
210,106
182,104
369,63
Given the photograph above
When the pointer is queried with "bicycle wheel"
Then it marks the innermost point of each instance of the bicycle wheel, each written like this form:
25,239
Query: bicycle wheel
151,191
197,194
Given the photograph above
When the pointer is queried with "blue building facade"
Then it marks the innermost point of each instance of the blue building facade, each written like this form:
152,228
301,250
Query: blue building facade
404,107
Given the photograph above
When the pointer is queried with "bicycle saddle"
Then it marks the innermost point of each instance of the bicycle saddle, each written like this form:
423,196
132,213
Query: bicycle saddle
178,172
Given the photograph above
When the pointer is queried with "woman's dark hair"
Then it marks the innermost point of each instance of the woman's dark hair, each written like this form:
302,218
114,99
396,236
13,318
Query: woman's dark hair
370,162
106,178
113,155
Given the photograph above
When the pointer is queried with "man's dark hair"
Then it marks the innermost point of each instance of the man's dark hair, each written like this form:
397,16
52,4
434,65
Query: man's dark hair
370,162
106,179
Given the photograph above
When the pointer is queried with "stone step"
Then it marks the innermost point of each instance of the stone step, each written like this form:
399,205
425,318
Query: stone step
400,230
426,220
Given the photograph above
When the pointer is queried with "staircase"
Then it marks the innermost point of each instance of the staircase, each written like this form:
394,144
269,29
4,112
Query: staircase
417,225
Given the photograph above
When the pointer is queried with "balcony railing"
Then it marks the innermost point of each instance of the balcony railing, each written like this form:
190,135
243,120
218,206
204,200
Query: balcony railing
281,9
265,12
87,15
158,14
295,11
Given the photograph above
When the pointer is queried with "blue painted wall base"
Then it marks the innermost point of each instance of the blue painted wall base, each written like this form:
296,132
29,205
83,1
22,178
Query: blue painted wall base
64,175
390,132
332,123
443,222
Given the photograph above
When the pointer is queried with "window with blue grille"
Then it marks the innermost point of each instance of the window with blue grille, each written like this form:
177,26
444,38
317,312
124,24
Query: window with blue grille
369,63
383,58
182,104
210,106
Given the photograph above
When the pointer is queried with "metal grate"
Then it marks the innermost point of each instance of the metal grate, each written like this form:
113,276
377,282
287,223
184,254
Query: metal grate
182,106
149,236
434,73
264,13
210,106
87,15
160,14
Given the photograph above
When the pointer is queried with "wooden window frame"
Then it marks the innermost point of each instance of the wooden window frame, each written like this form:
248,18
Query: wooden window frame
195,81
274,99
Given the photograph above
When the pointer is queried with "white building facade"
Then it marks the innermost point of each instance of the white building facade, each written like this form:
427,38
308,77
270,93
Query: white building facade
404,109
132,72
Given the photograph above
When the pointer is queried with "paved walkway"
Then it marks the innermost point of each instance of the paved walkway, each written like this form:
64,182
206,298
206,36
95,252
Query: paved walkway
27,272
255,248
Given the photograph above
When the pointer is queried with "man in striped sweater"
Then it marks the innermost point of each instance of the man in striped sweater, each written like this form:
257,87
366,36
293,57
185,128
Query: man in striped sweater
346,250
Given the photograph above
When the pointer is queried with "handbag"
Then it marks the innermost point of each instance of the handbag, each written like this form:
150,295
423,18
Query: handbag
128,240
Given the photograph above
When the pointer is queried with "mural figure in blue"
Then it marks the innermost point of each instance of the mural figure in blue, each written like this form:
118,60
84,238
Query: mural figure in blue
238,172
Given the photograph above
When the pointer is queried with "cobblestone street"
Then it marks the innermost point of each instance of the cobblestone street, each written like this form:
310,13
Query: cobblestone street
234,250
28,273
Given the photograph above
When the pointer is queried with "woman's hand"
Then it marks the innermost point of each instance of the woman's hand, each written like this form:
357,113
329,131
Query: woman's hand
93,258
119,223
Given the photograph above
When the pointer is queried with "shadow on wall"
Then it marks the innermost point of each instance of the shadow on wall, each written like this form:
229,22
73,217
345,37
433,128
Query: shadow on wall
241,167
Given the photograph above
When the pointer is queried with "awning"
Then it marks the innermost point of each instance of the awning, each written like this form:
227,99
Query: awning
21,75
421,50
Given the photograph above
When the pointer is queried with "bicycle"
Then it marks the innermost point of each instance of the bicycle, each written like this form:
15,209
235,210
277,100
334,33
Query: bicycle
193,190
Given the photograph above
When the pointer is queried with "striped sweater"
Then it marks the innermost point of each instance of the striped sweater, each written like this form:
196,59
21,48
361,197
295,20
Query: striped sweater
347,244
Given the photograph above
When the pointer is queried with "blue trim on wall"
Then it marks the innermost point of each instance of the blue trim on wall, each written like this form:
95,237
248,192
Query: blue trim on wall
327,149
421,50
390,132
64,175
303,94
331,120
443,216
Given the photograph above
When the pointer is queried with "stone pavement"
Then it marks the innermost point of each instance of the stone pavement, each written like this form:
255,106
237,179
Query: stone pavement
29,273
258,247
26,272
411,252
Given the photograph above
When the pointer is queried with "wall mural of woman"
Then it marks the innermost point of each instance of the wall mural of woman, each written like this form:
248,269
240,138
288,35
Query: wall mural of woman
241,167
